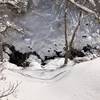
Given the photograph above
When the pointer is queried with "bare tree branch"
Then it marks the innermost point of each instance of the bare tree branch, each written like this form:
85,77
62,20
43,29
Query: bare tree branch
92,2
75,31
9,91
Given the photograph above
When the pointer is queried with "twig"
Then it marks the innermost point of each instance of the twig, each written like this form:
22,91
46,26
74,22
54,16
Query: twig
9,91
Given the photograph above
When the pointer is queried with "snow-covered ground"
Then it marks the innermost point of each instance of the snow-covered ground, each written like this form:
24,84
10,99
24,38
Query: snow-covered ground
76,82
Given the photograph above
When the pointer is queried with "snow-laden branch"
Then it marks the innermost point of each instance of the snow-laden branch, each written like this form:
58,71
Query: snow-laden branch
84,8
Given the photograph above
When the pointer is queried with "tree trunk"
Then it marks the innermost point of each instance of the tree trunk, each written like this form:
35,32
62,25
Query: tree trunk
66,41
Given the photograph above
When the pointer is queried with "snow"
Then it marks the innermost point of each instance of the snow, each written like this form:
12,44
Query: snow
43,29
77,82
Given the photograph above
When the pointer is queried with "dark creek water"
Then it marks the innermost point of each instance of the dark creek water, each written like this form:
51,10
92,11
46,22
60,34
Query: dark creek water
20,59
